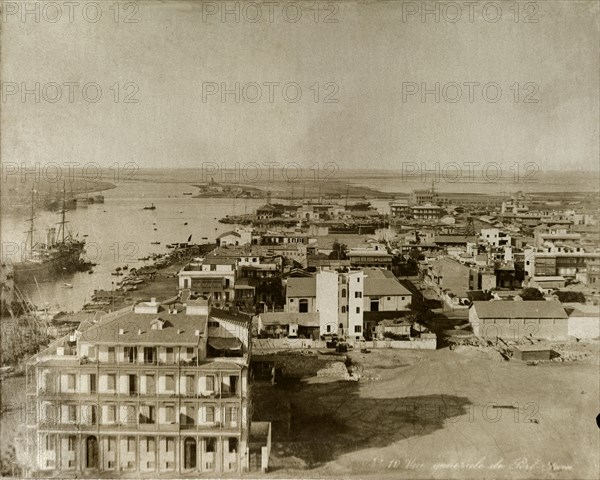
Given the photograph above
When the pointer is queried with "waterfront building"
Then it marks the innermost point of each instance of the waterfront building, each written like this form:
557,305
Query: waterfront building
158,389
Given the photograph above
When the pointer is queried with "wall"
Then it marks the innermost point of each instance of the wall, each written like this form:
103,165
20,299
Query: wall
584,327
327,301
356,281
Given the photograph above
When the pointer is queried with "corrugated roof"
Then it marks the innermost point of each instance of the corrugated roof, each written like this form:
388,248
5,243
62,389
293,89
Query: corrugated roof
525,309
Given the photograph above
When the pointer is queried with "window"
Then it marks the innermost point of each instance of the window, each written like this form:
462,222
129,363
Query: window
357,328
190,353
210,383
343,293
169,445
72,411
343,309
303,306
291,300
211,445
328,328
170,414
170,355
230,414
93,383
111,354
233,445
150,444
210,414
49,442
147,414
358,279
130,444
71,381
149,355
71,442
213,268
133,384
170,382
357,294
150,384
111,443
111,381
111,413
357,309
130,354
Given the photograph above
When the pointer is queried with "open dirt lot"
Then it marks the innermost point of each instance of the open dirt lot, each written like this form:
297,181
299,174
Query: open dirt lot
439,414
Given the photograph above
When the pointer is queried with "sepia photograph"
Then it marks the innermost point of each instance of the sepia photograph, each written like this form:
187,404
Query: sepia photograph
304,239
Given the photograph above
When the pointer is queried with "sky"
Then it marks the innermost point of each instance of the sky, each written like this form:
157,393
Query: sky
360,67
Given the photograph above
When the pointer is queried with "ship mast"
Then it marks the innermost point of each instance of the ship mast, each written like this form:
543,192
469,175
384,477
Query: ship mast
63,210
31,225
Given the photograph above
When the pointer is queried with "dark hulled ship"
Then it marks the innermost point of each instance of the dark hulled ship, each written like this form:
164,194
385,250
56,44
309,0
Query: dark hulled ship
60,254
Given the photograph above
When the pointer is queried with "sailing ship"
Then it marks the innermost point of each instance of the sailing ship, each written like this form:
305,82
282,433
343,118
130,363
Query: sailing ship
61,253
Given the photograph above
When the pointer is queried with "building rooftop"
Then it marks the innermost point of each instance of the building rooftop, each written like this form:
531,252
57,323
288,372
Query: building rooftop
148,328
524,309
301,287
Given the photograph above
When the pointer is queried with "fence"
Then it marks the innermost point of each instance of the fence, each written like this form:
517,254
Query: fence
425,343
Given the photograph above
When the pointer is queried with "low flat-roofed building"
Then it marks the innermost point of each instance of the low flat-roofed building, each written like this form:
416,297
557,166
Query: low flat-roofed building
514,321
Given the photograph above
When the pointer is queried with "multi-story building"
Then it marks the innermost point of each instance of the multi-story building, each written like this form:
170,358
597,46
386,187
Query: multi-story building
399,208
565,261
157,390
342,298
427,212
375,256
427,195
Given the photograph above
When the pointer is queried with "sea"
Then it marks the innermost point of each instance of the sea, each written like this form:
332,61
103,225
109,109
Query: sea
120,232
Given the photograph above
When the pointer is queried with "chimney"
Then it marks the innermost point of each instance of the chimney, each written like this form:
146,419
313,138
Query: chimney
178,331
139,331
197,333
121,331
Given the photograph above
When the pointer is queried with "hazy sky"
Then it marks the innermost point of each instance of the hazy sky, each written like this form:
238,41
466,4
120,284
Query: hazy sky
365,61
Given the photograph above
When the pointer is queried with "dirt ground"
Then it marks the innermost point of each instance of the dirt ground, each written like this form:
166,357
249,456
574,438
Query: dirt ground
437,414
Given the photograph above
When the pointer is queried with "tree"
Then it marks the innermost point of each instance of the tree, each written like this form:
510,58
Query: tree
531,294
338,251
571,297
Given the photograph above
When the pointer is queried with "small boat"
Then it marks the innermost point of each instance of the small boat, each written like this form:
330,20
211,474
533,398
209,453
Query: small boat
85,235
68,285
185,223
90,272
154,243
126,267
151,207
155,229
